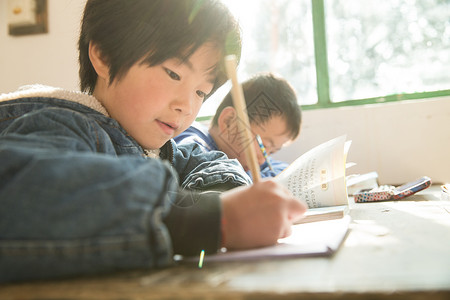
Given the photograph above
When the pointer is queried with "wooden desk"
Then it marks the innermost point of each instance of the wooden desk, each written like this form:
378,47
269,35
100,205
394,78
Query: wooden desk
395,250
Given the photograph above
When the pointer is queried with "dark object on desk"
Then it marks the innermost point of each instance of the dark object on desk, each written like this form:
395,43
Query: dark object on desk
386,193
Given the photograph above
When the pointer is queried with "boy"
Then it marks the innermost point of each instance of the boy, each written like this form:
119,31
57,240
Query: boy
274,115
93,183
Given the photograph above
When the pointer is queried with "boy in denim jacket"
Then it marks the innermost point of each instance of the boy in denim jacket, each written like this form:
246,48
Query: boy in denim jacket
91,182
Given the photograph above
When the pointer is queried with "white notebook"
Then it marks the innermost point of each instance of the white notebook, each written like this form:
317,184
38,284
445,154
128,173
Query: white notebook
321,238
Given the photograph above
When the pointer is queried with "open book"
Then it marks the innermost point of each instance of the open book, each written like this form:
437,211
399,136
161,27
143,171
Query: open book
318,178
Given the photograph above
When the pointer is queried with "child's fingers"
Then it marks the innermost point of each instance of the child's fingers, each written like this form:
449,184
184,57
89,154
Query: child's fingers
287,232
296,209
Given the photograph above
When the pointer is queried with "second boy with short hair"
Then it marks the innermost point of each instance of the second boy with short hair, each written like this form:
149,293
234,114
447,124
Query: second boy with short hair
274,115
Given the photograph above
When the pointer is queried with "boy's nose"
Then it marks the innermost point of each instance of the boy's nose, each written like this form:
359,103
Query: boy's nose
184,104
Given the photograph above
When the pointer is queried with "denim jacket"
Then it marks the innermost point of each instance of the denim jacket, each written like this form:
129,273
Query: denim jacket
79,196
199,134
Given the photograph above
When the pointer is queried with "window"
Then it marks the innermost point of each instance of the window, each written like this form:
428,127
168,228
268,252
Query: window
346,52
383,47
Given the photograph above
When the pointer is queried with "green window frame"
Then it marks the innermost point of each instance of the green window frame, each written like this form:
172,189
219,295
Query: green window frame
318,55
322,75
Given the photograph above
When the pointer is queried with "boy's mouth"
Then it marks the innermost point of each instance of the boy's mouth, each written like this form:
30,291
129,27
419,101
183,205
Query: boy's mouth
168,128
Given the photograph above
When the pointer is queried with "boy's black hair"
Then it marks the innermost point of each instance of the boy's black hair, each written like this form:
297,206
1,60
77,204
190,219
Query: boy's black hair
266,96
152,31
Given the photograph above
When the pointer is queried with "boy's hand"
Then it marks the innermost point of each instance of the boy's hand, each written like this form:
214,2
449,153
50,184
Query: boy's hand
258,215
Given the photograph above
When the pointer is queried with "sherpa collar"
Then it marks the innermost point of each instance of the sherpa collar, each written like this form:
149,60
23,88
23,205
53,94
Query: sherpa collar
38,90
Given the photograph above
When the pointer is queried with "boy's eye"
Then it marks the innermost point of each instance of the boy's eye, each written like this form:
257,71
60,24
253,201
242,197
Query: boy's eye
201,94
172,74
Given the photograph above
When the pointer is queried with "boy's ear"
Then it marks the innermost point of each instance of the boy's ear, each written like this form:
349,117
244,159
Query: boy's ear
226,118
99,64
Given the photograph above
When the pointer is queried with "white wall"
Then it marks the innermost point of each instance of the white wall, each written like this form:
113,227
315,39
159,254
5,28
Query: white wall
401,141
50,58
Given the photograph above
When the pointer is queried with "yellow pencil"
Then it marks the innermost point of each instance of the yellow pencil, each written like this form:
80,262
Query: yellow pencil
264,152
239,104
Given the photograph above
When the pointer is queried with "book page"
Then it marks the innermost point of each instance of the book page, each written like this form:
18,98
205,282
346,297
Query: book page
318,176
323,214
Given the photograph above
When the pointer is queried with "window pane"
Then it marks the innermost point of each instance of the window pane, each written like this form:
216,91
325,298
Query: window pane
277,37
385,47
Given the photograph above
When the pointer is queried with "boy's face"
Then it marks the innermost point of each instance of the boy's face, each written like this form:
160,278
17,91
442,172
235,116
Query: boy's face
155,104
273,133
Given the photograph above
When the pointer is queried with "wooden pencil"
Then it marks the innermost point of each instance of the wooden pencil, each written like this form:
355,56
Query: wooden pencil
244,124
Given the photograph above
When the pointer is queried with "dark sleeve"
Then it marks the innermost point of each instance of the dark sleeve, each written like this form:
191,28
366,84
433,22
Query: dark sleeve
67,209
194,223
